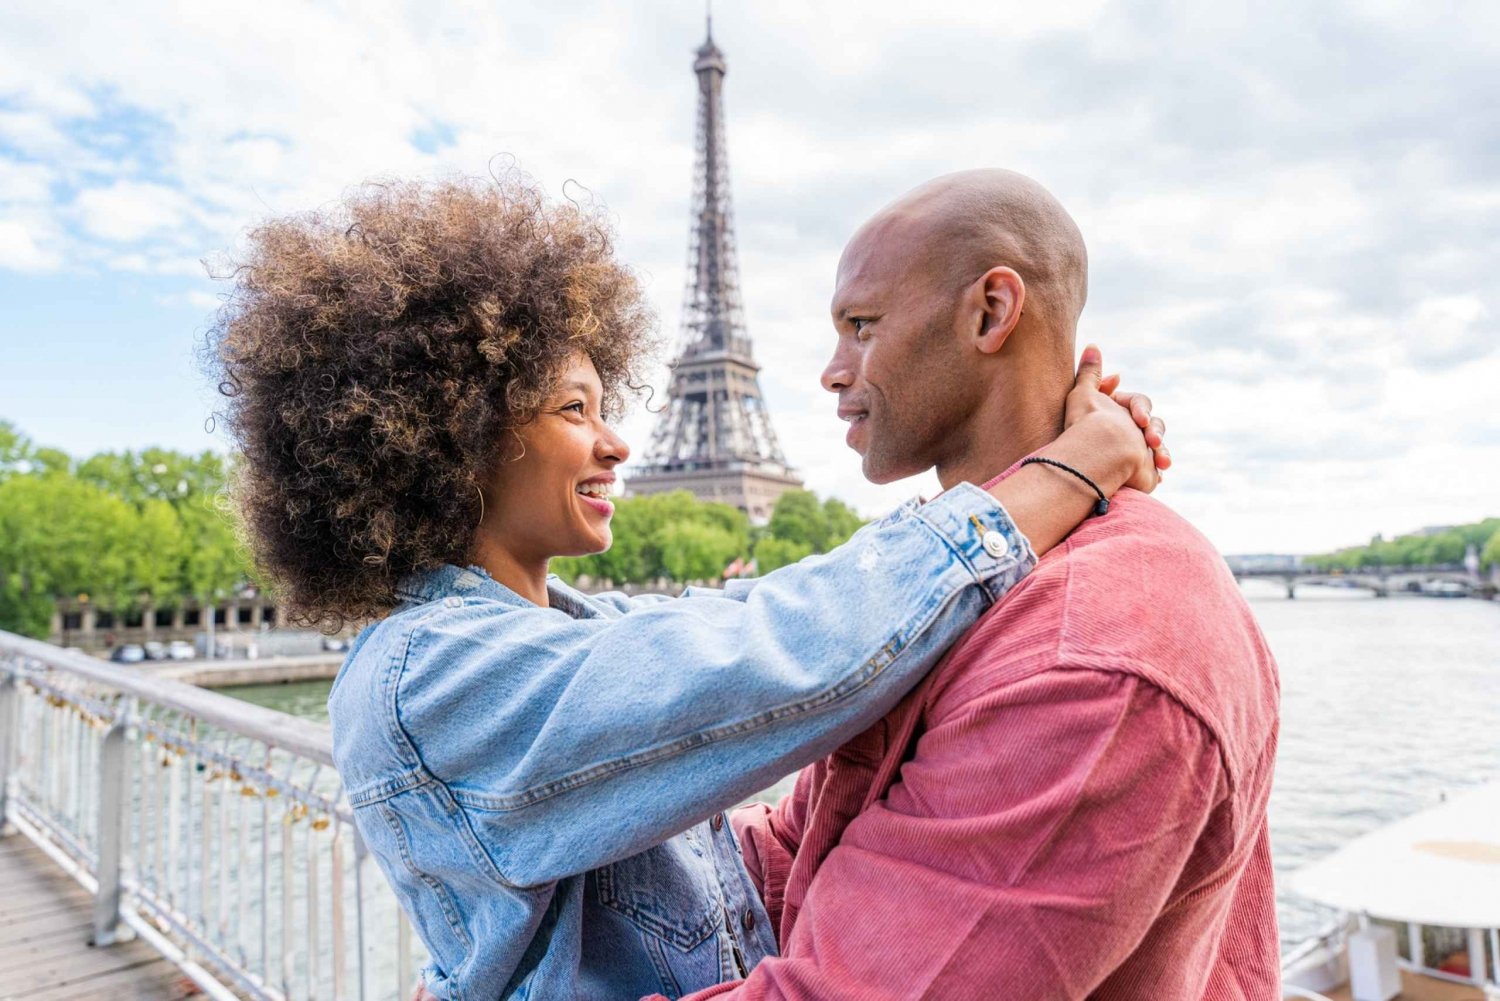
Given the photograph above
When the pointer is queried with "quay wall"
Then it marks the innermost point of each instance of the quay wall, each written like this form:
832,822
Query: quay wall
265,671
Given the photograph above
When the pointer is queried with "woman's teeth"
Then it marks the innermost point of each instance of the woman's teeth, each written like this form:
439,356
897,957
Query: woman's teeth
594,489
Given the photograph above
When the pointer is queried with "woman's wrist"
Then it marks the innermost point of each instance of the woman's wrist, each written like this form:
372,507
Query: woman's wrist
1102,448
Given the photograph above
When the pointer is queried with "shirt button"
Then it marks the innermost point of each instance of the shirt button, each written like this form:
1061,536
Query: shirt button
995,544
748,921
718,822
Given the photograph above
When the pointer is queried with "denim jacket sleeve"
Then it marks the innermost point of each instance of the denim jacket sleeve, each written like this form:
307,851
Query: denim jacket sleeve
570,743
736,588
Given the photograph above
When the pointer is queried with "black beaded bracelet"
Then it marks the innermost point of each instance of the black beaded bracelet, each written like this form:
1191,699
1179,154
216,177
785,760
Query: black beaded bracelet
1100,507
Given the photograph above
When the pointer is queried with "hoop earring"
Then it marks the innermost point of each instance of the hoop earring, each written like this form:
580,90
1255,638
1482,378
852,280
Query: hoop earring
480,492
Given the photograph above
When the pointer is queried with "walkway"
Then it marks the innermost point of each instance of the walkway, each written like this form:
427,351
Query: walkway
44,951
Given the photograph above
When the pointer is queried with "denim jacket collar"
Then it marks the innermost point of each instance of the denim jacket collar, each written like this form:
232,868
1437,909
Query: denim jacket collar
450,581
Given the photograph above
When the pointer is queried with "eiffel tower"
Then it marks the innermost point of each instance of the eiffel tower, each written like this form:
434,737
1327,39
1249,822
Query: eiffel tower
715,438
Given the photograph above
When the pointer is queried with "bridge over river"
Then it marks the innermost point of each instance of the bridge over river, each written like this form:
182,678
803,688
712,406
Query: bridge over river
1443,580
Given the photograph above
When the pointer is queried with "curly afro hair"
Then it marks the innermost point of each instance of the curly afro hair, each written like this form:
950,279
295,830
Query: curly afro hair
375,357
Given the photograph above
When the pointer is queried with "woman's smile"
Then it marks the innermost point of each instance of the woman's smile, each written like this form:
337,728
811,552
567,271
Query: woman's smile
595,493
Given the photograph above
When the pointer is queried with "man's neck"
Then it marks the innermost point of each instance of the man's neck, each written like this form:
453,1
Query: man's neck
1004,429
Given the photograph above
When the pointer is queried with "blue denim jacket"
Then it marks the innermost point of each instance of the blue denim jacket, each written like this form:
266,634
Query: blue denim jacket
543,786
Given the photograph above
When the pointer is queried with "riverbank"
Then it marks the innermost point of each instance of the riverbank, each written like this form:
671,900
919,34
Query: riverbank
235,673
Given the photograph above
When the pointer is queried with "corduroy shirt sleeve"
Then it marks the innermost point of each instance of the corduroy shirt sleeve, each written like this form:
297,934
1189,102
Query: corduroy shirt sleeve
1032,840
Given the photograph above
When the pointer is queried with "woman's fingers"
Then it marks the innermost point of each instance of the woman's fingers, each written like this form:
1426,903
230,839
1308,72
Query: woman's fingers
1156,430
1109,384
1139,405
1163,457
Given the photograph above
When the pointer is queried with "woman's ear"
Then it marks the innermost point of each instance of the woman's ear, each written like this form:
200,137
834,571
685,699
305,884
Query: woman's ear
1004,298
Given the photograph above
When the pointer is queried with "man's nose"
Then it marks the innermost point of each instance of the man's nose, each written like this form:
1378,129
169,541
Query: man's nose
611,448
839,373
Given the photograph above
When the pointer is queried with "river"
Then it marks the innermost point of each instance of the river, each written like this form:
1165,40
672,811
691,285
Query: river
1387,704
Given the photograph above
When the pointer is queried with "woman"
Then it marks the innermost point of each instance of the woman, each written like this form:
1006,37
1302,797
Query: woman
420,384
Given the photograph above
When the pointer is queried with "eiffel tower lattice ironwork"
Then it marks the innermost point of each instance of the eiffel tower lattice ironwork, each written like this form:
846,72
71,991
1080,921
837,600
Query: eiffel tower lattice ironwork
715,437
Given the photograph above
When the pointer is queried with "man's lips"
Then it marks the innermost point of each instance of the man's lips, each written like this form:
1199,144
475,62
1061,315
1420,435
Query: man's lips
857,419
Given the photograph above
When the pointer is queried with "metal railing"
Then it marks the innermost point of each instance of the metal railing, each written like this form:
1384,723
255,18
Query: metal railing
1324,952
215,830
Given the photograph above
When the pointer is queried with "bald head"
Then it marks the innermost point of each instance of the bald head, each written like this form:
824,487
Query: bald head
958,226
956,308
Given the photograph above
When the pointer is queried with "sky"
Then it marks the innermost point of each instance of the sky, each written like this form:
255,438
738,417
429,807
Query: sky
1292,209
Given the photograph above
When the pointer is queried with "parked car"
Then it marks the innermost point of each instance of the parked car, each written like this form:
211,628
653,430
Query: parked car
155,650
129,653
180,650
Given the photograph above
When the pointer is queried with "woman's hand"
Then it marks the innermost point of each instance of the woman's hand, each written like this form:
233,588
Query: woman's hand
1097,397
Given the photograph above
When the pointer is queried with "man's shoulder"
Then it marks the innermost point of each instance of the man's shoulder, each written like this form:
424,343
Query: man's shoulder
1141,592
1116,581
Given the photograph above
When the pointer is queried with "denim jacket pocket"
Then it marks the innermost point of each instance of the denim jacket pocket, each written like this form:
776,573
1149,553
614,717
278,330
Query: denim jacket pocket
665,891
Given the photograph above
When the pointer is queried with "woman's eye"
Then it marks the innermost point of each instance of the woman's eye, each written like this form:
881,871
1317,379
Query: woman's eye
576,408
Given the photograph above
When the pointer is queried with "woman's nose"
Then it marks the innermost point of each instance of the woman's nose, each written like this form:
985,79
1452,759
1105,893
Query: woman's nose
611,447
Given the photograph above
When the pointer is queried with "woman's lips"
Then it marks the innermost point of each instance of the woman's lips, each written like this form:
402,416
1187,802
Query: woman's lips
603,507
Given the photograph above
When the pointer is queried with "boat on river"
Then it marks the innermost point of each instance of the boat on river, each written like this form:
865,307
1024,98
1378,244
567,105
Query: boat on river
1419,908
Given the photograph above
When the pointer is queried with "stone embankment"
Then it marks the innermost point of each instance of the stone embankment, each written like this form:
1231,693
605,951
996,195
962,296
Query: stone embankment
264,671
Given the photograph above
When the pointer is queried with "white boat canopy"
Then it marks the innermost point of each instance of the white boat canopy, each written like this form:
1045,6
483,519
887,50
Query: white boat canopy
1438,867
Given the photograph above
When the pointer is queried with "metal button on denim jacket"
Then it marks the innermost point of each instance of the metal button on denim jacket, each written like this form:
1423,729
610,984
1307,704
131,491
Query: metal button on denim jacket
534,782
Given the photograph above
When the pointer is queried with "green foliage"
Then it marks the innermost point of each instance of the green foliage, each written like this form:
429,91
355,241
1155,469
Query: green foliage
124,529
1490,554
800,518
671,535
1444,548
772,553
135,528
679,538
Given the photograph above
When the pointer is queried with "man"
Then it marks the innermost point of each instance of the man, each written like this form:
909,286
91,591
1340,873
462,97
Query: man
1073,804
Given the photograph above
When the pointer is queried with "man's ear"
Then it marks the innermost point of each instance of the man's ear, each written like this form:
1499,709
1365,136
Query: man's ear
1004,296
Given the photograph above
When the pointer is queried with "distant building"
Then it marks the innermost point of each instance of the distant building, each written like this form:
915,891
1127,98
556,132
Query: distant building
84,626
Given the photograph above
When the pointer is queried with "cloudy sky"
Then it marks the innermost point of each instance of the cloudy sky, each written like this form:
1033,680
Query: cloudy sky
1293,209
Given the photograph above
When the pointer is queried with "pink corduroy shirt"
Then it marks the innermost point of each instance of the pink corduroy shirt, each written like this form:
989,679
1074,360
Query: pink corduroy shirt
1072,805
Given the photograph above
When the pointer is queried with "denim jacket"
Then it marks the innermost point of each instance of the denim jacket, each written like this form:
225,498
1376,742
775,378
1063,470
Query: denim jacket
542,786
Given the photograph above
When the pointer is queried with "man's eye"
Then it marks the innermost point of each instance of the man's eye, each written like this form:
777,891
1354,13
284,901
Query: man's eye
860,323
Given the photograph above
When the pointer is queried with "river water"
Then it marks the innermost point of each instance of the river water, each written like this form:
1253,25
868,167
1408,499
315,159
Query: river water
1387,704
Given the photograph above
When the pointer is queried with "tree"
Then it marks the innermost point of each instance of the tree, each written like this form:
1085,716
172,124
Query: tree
799,517
60,536
697,550
1490,555
772,553
842,521
158,551
213,563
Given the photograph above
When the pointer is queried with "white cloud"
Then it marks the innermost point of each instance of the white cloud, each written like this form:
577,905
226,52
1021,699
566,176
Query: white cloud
1291,209
1447,329
20,251
129,210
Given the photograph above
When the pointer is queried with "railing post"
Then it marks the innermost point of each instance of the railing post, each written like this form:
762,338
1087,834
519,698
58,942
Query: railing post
10,735
1478,969
112,781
